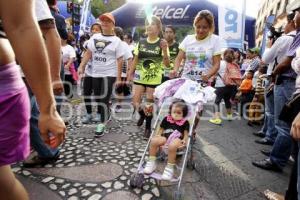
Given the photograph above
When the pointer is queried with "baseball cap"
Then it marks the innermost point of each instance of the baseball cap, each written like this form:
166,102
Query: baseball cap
109,16
255,50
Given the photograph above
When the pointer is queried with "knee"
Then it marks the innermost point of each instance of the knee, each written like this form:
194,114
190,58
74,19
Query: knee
173,146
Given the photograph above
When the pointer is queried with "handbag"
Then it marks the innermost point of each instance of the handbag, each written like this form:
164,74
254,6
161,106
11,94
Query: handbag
290,110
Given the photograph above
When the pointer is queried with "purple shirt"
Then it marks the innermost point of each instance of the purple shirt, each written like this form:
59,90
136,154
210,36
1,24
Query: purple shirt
292,53
295,44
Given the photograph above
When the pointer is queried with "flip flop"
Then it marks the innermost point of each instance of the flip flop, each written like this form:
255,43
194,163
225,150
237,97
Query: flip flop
272,195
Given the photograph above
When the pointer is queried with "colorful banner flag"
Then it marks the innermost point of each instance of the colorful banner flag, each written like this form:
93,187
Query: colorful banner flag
231,18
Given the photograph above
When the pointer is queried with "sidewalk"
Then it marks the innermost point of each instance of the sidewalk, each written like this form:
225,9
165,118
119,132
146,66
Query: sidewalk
100,168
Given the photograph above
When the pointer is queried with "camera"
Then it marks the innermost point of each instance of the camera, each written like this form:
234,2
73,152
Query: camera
273,34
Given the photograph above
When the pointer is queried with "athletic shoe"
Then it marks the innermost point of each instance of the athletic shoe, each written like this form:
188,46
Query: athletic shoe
168,174
150,167
87,119
216,121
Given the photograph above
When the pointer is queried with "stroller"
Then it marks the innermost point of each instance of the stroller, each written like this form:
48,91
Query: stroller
137,179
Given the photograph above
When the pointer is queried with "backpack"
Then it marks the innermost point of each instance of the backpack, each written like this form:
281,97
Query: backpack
232,74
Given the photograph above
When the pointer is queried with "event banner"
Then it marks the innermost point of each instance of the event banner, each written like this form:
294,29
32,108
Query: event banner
84,17
231,18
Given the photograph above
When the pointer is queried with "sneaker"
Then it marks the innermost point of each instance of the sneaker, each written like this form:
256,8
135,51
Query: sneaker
97,118
34,160
216,121
168,174
87,119
229,117
99,130
150,167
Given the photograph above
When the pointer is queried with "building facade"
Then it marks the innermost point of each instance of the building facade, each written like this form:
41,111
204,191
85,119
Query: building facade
278,8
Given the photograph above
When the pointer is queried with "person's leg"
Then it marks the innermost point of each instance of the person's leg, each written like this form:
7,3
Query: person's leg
68,86
172,150
227,97
283,144
148,110
10,187
103,107
155,143
106,110
138,91
36,141
99,89
219,96
291,192
260,109
87,92
272,132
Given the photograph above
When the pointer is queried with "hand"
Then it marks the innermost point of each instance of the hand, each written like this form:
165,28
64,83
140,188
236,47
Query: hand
58,87
80,72
52,123
118,82
173,74
254,99
163,44
205,77
295,130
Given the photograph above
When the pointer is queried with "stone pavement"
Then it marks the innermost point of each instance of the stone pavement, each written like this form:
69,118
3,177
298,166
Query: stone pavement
100,168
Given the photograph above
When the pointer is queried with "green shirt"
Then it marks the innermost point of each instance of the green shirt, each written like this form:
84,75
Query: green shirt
149,69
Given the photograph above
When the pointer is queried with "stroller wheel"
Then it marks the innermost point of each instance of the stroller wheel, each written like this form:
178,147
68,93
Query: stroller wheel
191,164
178,195
137,181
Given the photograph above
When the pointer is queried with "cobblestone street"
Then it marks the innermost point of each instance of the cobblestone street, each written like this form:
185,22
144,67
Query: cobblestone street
100,168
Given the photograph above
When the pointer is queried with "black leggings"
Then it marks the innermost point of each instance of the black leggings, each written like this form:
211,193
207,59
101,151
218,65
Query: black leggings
68,85
226,94
102,89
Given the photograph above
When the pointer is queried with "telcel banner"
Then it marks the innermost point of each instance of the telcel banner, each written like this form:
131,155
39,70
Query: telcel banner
231,20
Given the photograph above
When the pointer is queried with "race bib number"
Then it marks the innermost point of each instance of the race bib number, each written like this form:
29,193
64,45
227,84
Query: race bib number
194,75
100,59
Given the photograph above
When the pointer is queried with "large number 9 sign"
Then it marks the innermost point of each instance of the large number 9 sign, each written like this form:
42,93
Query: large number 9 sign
231,17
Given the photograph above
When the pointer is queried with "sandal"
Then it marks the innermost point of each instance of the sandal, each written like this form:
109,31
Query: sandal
272,195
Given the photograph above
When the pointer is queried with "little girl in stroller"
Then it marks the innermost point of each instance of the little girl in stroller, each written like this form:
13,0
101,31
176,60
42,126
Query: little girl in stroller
173,133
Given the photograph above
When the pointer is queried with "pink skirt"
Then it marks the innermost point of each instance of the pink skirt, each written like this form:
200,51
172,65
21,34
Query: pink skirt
14,116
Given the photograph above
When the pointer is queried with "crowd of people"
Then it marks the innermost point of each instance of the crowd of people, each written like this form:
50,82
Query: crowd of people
262,88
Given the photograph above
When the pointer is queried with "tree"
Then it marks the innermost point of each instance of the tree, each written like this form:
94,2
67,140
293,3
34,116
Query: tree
98,6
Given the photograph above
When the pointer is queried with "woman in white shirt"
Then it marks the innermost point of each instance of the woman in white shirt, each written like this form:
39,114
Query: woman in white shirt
201,51
106,53
68,58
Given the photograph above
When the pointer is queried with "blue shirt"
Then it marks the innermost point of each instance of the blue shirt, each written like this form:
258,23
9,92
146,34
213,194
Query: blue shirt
60,24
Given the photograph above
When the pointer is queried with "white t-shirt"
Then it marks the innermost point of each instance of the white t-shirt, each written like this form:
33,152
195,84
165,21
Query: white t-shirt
68,52
127,55
199,54
42,10
221,72
105,52
88,69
